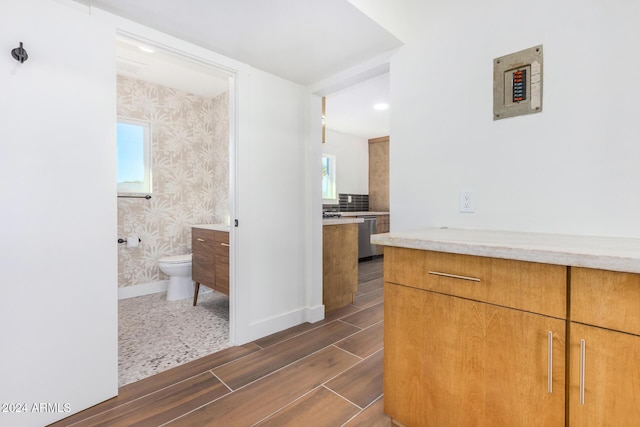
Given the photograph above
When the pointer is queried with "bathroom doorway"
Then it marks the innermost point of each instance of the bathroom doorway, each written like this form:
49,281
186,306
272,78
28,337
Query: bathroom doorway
187,105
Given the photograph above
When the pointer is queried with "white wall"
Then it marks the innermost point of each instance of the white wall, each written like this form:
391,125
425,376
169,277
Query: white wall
274,276
58,204
273,176
58,209
571,169
352,161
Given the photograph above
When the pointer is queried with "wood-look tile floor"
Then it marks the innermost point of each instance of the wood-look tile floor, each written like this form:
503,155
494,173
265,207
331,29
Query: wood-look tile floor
327,373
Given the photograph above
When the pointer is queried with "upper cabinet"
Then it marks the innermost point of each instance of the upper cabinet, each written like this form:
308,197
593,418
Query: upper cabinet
379,174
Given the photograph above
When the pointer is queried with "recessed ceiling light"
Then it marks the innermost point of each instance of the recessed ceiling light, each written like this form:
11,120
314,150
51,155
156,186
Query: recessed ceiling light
381,106
146,49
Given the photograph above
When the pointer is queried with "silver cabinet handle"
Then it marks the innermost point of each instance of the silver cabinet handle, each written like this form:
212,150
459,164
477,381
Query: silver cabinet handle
200,240
550,366
454,276
224,244
583,351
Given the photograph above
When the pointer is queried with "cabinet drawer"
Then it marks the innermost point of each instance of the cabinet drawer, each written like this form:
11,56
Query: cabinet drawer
534,287
222,236
607,299
202,241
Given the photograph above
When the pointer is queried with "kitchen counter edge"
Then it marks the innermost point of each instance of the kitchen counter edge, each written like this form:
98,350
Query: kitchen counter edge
606,253
341,221
362,213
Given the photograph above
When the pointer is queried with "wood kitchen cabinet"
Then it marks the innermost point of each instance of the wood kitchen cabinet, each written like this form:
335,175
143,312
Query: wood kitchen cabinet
382,226
463,348
604,351
339,265
210,260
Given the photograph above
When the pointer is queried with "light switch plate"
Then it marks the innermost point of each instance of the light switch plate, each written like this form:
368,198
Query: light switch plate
517,83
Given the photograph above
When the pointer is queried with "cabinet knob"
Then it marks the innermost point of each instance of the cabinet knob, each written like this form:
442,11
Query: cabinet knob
224,244
200,240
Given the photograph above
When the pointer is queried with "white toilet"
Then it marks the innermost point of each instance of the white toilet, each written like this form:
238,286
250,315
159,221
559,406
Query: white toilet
178,268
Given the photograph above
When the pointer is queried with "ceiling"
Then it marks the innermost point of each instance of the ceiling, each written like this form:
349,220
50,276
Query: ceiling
351,110
168,69
304,41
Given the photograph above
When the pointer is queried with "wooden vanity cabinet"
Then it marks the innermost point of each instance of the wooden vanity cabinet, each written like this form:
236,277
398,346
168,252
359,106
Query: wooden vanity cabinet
463,348
604,351
210,259
221,261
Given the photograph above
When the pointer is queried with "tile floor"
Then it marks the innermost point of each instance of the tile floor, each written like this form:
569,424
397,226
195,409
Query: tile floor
328,373
155,334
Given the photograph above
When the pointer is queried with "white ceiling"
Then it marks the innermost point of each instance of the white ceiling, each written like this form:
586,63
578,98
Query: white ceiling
304,41
351,110
169,70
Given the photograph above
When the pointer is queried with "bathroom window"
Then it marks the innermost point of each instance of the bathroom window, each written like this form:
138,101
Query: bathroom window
329,193
134,156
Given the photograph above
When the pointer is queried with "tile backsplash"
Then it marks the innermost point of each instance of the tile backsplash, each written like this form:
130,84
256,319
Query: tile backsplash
359,203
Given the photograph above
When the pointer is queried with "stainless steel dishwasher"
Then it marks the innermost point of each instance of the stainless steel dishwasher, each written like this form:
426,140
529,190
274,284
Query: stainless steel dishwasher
365,230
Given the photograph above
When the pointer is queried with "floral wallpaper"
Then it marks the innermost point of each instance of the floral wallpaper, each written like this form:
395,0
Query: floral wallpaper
190,167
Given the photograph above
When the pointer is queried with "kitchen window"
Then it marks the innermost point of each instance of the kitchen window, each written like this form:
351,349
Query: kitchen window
329,192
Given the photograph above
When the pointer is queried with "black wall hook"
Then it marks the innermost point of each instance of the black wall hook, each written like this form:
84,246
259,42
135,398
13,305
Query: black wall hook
19,54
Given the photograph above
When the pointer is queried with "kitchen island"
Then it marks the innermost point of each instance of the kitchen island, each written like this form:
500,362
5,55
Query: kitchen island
339,261
510,328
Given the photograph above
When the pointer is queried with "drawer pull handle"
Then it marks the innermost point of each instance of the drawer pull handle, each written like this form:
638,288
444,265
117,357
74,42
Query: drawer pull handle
200,240
550,366
454,276
225,244
583,351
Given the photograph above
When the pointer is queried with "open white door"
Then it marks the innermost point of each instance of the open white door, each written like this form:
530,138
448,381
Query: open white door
58,303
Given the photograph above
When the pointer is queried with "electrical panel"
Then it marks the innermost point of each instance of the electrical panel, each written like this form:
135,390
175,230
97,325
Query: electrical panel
517,83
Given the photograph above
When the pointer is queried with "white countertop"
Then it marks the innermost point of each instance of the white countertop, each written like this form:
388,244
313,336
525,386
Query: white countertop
607,253
215,227
362,213
340,221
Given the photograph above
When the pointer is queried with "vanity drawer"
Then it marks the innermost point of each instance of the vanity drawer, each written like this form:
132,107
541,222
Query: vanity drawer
203,249
222,244
203,242
608,299
529,286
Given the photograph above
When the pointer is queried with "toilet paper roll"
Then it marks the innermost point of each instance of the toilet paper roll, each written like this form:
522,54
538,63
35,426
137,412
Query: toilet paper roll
132,241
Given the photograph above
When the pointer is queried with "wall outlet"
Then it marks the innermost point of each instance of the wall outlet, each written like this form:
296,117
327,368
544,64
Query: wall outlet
467,202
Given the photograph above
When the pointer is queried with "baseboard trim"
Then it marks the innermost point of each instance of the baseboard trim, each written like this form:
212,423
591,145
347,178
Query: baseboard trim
151,288
315,314
284,321
143,289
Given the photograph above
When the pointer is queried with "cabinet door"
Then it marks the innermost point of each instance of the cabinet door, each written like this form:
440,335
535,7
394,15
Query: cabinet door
450,361
608,392
203,247
222,262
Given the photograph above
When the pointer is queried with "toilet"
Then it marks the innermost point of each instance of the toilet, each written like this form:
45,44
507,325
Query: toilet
178,268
